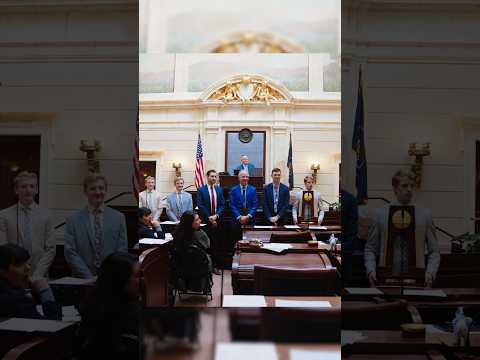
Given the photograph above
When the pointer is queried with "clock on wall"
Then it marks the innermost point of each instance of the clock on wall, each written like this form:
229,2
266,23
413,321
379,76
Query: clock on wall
245,135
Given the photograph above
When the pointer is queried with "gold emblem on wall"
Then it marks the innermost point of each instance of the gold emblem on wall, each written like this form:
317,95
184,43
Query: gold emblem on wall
253,42
248,89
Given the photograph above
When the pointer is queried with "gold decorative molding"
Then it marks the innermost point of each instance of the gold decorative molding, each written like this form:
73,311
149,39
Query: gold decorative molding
253,42
156,153
247,89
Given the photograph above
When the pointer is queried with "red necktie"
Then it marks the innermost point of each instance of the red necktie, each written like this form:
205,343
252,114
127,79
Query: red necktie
213,204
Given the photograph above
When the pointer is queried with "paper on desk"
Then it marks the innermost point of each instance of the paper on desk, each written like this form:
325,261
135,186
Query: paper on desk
168,236
245,350
364,291
302,303
291,226
146,241
168,222
317,227
351,337
30,325
244,301
70,314
263,227
72,281
277,247
301,354
421,292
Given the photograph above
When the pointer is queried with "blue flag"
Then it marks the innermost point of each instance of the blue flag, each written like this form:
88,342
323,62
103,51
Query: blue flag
358,145
290,164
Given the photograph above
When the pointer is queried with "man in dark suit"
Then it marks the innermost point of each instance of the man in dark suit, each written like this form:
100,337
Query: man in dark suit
211,205
276,198
245,165
243,201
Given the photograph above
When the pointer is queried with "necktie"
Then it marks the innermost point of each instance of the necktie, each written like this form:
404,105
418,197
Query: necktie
147,198
275,200
98,231
179,205
27,230
213,205
244,197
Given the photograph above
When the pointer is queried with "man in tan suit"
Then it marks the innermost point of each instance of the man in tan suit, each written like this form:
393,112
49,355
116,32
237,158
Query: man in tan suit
317,210
403,184
29,226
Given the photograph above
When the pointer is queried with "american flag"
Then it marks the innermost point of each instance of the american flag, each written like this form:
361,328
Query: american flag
199,180
137,175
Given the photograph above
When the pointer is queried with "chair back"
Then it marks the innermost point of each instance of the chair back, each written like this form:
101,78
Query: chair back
272,281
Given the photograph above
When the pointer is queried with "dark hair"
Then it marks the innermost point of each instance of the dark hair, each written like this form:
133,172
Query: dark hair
113,275
276,170
11,254
210,171
143,211
183,232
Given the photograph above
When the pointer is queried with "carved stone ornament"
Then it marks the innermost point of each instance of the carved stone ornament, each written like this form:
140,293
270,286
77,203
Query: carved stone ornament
244,89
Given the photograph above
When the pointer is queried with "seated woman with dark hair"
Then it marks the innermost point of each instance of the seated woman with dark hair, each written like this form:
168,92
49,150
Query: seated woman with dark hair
191,262
111,311
15,279
146,228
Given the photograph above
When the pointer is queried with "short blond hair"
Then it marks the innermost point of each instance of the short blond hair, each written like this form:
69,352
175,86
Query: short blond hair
401,174
91,178
308,177
23,176
149,178
178,179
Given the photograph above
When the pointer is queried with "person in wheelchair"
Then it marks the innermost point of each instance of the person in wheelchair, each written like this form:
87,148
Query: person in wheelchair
191,262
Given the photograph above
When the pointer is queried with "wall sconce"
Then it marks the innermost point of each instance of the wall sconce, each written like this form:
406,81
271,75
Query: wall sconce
177,166
315,168
91,150
419,151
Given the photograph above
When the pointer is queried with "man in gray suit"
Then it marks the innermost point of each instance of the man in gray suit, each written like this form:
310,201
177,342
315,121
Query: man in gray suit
403,184
29,226
93,233
178,201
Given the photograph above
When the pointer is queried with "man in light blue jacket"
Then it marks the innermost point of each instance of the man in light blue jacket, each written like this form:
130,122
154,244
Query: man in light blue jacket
178,201
94,232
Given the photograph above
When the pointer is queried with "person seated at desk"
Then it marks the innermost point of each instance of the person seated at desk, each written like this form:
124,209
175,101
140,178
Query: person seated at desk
146,229
29,226
15,301
150,198
243,201
276,198
317,210
403,184
93,233
178,201
245,165
111,311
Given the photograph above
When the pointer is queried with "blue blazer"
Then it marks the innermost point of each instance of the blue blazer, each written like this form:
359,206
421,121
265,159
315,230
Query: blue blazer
79,247
249,166
236,202
268,201
203,202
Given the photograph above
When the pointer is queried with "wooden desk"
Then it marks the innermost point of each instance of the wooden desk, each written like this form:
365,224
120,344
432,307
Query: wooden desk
54,345
335,301
245,260
383,341
330,229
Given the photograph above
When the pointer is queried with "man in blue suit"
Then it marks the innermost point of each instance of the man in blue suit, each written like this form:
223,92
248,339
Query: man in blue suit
243,201
211,205
276,198
245,165
93,233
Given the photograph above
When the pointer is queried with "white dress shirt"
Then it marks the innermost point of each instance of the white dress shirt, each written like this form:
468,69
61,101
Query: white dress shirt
151,200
